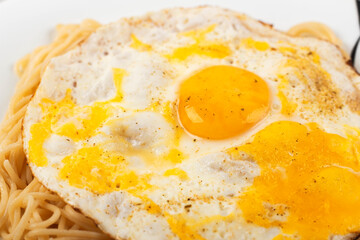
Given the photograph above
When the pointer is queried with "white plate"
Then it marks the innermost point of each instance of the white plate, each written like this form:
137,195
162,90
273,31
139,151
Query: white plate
25,24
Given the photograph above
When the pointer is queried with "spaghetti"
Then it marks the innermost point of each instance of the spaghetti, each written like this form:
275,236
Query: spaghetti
27,209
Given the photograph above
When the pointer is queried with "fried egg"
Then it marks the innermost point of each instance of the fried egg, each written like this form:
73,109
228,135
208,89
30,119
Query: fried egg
201,123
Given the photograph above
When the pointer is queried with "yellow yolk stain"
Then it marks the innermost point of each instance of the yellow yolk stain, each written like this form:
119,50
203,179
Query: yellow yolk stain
309,181
352,132
139,45
179,225
251,43
222,101
202,46
287,49
96,115
118,75
118,137
282,237
316,58
66,118
287,108
187,228
100,171
39,132
58,118
174,156
176,172
169,113
200,34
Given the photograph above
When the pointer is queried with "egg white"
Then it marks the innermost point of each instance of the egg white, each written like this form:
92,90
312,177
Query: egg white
152,78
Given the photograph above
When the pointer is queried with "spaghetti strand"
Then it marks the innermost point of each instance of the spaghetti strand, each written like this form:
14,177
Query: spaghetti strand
27,209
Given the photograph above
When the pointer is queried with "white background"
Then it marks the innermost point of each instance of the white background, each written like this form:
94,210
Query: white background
26,24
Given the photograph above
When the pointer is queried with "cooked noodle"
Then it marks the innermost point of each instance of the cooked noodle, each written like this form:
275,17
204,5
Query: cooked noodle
27,209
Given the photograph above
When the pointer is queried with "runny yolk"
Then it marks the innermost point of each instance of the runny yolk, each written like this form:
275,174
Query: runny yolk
222,101
202,46
309,183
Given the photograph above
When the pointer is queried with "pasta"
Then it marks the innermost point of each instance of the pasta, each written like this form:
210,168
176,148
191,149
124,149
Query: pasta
27,209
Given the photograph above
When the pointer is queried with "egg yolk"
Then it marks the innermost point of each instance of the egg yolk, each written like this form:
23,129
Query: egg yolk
201,46
222,101
309,184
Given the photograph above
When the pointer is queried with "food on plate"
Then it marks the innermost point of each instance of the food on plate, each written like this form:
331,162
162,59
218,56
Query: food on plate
200,123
